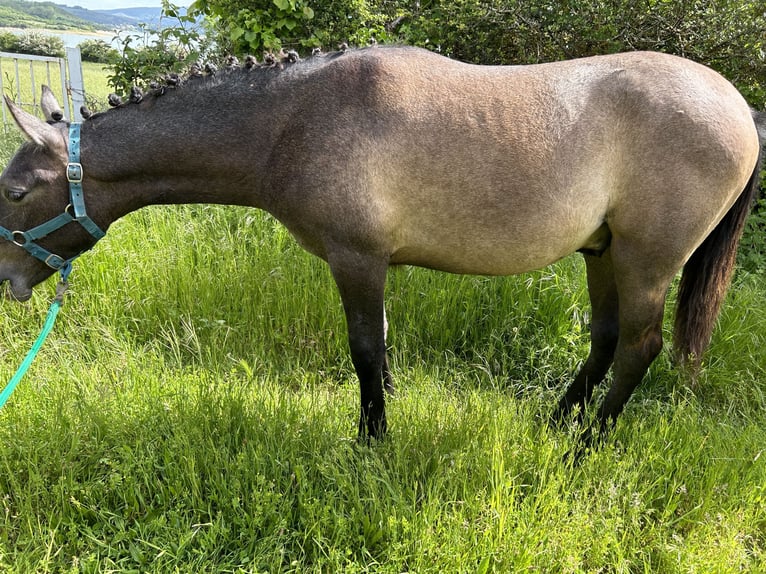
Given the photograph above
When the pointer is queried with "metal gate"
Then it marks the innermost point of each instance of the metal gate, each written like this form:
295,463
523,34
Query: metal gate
21,76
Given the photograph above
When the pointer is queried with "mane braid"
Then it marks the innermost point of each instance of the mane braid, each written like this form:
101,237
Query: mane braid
209,76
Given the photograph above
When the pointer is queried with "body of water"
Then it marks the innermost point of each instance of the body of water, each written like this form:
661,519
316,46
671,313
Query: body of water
72,39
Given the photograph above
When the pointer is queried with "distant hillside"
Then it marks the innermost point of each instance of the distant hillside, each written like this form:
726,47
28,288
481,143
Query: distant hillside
118,18
24,14
146,15
21,14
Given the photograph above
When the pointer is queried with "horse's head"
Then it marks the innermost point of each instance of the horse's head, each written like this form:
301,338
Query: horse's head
33,190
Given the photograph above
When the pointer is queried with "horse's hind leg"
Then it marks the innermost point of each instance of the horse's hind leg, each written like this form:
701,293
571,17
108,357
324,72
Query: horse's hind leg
361,281
604,331
642,284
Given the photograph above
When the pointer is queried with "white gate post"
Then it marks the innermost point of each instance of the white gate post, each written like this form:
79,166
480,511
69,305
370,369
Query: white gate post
76,87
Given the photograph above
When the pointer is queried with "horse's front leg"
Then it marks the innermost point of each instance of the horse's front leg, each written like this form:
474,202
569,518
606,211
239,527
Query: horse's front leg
361,281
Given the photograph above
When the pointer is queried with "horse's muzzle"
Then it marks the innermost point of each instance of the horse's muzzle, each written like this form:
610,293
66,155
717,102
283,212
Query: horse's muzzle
13,291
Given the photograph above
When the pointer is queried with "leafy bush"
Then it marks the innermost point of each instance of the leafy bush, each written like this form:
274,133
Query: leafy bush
164,51
97,51
260,24
726,35
8,42
33,43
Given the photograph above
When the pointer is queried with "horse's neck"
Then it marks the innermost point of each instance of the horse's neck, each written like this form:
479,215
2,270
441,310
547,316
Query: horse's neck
143,157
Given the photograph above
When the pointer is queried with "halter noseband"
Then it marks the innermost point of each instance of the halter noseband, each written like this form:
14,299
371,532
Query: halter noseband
75,211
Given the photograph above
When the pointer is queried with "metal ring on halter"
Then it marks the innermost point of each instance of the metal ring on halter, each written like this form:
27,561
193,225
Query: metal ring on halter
16,241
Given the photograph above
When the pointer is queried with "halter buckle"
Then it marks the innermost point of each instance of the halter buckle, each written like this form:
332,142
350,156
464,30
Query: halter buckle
74,172
54,261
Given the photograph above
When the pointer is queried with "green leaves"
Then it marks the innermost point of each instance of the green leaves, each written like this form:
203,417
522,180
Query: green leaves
253,27
167,49
726,35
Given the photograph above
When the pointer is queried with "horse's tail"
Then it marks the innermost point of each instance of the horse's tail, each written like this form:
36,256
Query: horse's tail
760,124
707,274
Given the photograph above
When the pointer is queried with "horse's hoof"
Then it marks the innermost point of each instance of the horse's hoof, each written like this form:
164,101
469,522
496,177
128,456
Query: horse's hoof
372,431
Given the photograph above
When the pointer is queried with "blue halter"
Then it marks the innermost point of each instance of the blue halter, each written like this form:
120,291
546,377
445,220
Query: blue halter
75,211
26,240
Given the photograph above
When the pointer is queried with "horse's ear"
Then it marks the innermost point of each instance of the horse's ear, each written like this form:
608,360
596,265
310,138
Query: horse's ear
36,130
51,107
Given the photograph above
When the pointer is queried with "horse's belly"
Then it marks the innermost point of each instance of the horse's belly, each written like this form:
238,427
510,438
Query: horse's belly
483,243
489,256
471,263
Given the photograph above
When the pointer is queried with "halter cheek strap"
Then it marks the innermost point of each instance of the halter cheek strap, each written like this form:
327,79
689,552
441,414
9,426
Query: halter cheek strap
74,176
75,211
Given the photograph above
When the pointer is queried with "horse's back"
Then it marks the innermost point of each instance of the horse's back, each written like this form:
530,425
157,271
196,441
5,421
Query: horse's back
502,169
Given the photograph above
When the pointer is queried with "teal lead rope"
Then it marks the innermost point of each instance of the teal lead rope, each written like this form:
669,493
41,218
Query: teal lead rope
49,321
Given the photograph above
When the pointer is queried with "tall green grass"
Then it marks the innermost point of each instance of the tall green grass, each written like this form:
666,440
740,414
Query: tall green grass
194,411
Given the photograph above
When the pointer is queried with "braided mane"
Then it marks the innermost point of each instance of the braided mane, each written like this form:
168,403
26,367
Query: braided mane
205,76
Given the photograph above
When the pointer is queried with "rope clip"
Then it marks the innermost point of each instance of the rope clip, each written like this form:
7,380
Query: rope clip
61,289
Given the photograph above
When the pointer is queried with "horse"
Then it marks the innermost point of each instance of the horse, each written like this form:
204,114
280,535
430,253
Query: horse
645,163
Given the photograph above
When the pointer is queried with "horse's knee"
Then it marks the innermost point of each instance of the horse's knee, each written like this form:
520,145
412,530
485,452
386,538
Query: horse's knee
368,355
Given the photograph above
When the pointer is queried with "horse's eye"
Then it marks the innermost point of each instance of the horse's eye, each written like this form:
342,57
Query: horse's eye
15,194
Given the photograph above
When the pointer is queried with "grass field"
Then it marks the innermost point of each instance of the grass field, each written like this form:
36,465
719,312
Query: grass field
194,410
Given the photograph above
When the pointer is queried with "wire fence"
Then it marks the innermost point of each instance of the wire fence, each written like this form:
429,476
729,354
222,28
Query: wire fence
22,76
